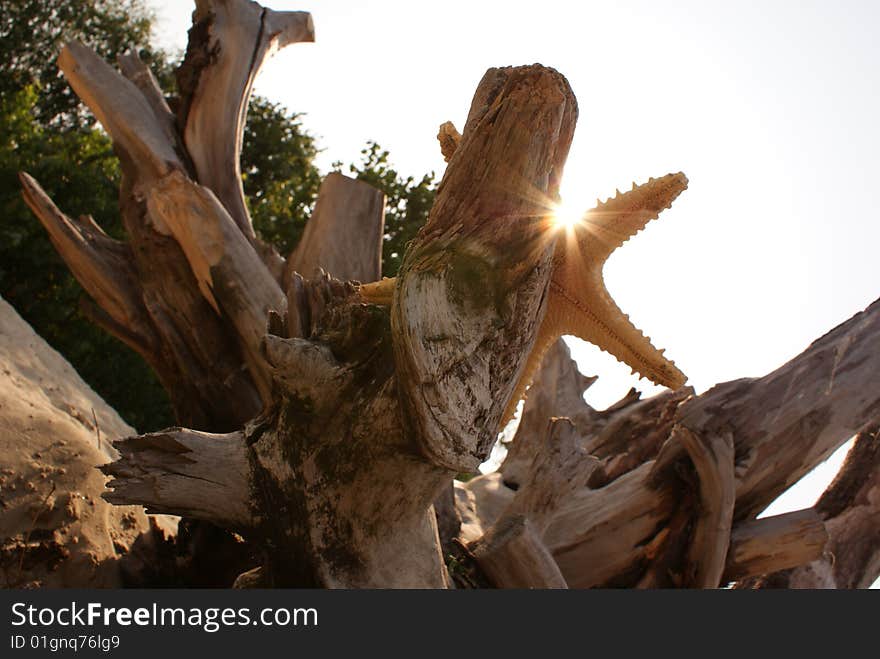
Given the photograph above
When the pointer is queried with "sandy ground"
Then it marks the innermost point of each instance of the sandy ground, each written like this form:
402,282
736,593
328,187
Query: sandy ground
55,530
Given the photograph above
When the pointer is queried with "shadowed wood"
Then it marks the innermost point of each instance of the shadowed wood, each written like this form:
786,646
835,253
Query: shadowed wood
769,544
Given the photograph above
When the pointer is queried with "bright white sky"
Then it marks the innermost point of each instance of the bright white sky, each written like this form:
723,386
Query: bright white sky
770,108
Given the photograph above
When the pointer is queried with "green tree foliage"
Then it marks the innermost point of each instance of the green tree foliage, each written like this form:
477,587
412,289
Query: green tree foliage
45,132
280,181
33,31
408,201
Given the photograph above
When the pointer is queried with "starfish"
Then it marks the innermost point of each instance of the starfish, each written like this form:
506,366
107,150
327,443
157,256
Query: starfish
578,303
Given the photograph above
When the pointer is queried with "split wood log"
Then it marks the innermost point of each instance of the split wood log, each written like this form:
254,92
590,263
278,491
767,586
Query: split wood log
196,474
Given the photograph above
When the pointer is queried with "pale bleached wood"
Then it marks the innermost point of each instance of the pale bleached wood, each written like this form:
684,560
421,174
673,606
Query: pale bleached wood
197,358
850,510
791,434
712,457
479,503
469,296
228,44
344,235
512,552
184,472
133,68
602,537
770,544
513,556
559,470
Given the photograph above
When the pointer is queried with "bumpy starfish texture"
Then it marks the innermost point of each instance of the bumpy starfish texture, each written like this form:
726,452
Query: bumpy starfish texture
578,303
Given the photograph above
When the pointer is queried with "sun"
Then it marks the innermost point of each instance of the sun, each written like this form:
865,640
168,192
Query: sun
567,216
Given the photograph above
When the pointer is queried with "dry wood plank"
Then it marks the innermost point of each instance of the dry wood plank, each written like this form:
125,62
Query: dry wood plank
343,237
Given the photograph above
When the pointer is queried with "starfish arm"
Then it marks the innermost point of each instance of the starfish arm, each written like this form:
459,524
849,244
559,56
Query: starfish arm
593,316
611,223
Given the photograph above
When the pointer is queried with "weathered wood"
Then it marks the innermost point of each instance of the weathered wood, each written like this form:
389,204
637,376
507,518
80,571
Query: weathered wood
479,503
344,235
101,265
513,556
849,510
360,416
713,461
560,469
602,537
133,68
123,111
228,43
470,292
792,419
222,261
184,472
512,552
201,369
770,544
558,391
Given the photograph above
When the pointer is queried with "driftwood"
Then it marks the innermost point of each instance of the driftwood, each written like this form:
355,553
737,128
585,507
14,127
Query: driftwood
323,412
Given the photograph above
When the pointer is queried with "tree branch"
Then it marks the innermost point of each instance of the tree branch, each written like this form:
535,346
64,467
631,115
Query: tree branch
122,109
228,43
184,472
222,260
100,264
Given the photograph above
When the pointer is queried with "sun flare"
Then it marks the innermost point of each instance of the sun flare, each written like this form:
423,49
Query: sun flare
567,216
